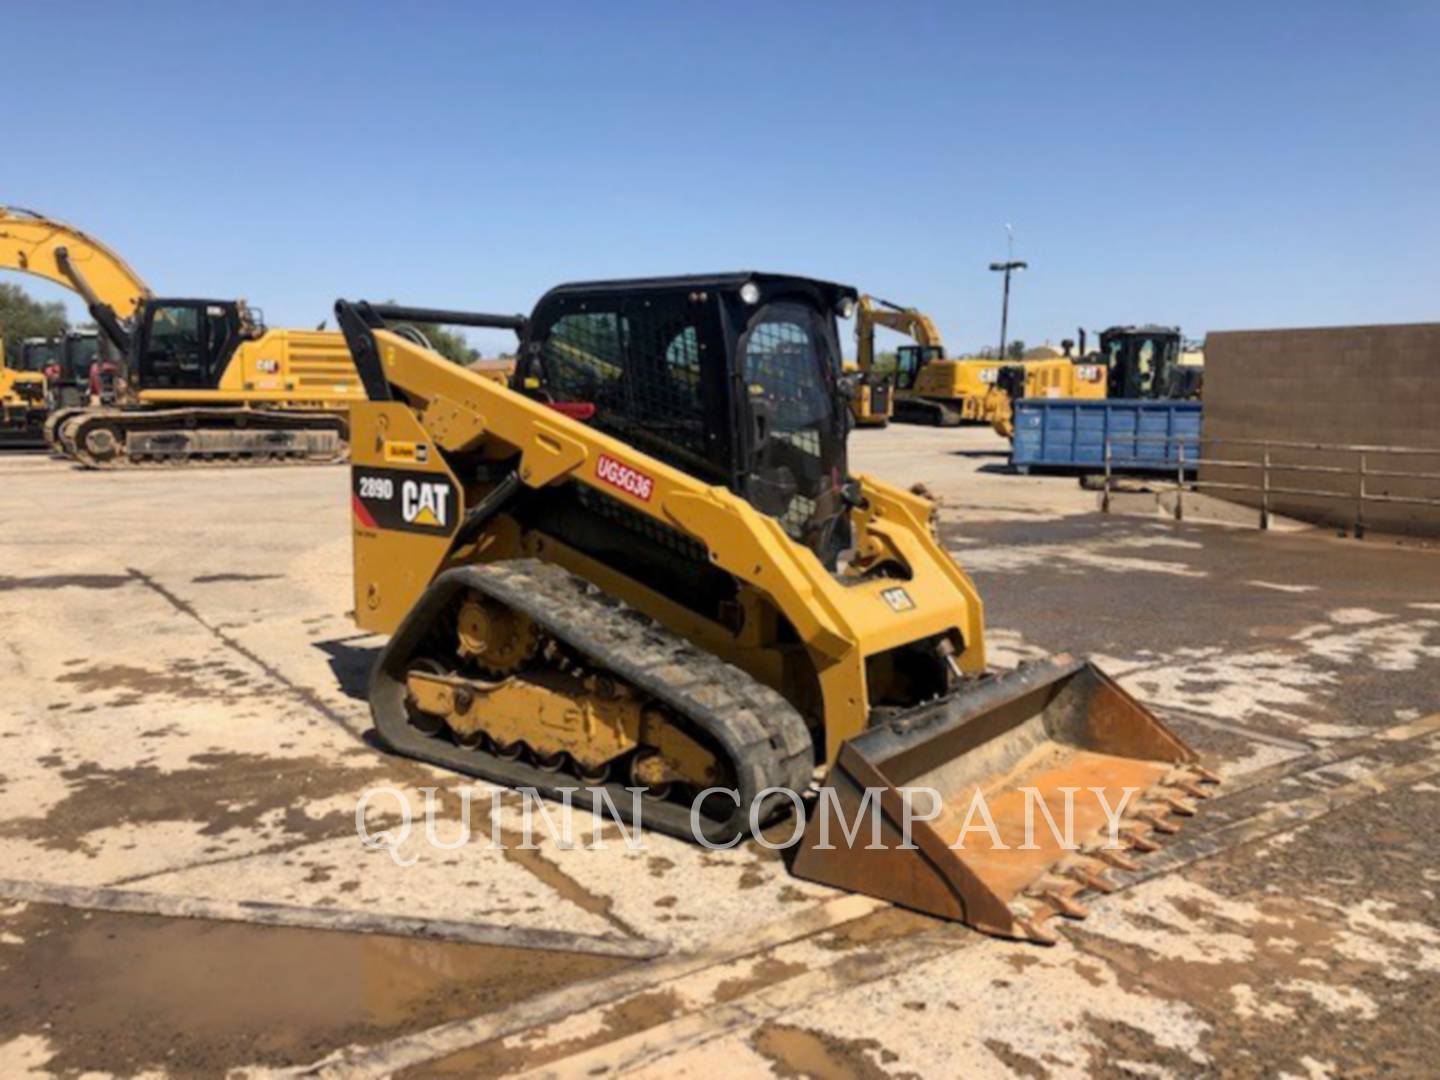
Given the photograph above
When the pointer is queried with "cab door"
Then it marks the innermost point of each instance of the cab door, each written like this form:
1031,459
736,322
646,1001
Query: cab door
185,344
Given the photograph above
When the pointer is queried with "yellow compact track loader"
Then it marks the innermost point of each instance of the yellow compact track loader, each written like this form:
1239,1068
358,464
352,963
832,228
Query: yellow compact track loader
203,380
645,564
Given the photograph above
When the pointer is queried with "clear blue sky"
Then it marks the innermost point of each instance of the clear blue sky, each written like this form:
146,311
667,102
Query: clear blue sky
1214,165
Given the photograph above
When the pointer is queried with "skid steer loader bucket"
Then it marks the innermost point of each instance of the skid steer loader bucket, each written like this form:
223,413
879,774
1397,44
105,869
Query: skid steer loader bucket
1017,796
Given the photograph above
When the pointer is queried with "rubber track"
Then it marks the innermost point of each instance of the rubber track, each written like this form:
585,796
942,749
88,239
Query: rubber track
67,439
774,746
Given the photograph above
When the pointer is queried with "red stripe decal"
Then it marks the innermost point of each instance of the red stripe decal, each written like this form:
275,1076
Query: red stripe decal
362,513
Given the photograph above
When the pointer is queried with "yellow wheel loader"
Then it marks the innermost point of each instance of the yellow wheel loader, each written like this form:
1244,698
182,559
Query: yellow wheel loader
646,565
203,380
22,405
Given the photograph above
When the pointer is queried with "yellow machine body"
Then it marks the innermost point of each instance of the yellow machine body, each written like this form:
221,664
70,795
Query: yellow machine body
452,410
22,403
292,369
495,665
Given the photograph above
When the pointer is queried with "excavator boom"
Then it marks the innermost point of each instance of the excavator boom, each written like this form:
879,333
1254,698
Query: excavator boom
38,245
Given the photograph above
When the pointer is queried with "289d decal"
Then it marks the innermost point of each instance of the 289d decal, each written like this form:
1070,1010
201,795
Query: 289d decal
409,501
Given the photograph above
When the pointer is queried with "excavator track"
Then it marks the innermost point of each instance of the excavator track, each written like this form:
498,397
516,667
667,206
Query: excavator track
913,410
131,438
53,423
762,738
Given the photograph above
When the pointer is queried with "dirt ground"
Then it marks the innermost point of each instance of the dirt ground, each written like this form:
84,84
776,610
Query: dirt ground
183,743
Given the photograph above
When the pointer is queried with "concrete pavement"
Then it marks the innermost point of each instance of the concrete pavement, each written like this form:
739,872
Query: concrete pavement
182,718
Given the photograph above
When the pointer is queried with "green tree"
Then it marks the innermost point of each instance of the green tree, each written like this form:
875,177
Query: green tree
1016,349
447,343
21,317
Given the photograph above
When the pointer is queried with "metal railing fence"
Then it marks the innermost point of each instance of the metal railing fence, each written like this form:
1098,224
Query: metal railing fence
1359,495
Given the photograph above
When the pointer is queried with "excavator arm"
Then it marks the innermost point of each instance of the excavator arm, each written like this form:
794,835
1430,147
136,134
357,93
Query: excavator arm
38,245
872,312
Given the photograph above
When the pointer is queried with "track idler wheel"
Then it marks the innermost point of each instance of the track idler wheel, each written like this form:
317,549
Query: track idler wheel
102,443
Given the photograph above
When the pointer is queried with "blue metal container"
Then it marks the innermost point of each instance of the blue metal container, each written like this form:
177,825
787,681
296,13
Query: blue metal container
1066,433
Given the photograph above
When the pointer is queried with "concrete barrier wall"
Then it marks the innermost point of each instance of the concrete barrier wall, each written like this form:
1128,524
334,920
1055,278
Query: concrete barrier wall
1375,385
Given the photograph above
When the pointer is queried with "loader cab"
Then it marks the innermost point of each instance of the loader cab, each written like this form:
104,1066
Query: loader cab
731,378
185,344
1141,361
909,359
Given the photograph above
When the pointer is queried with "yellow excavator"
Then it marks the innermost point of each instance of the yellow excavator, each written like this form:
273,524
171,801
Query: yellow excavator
22,405
203,380
645,564
929,387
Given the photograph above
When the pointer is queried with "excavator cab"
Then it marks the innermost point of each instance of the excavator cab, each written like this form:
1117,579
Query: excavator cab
184,344
909,359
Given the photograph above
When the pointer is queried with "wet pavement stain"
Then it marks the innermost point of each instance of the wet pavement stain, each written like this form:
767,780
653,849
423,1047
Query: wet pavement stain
136,682
813,1055
210,579
767,971
499,1057
224,791
125,993
62,581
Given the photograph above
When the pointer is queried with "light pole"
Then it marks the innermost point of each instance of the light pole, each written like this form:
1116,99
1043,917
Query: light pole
1008,266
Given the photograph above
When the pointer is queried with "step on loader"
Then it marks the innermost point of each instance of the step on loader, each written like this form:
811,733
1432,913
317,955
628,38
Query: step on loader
645,564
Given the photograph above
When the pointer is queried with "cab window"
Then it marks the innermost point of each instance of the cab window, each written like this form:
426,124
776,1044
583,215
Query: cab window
186,345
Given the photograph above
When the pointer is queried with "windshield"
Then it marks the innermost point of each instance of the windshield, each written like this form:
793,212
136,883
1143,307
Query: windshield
1141,365
37,355
84,351
789,359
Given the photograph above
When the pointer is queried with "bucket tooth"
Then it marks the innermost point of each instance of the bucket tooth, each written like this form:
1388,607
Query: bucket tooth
1066,905
1192,780
1179,806
1033,930
1139,840
1117,859
1157,821
1091,880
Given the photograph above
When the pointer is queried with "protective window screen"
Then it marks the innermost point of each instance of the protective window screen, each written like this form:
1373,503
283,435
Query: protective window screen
640,366
798,463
